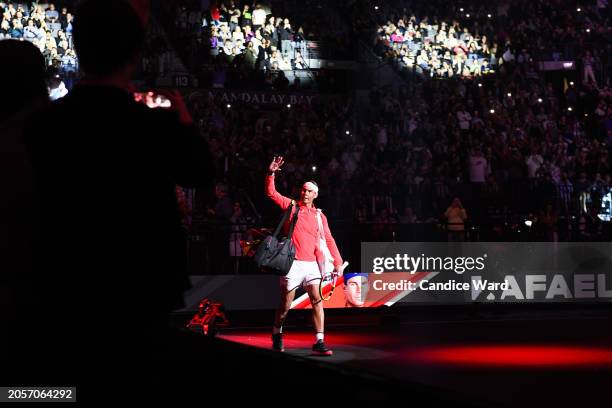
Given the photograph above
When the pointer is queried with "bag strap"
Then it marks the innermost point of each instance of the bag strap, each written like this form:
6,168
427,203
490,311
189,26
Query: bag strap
293,222
321,231
284,219
322,239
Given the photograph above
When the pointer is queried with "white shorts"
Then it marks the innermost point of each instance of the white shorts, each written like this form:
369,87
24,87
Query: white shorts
302,273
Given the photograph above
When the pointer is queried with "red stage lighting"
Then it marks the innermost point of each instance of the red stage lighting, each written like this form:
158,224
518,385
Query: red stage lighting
515,356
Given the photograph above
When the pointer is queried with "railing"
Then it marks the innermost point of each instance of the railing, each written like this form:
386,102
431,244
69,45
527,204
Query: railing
216,248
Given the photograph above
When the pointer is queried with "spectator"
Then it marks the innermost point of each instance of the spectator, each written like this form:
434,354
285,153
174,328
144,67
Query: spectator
51,15
127,198
547,222
285,35
298,62
31,32
455,218
408,217
464,118
479,167
565,190
246,16
221,217
281,83
587,67
258,17
238,229
19,211
534,162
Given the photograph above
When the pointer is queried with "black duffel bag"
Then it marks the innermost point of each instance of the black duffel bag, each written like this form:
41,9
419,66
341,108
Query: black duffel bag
276,256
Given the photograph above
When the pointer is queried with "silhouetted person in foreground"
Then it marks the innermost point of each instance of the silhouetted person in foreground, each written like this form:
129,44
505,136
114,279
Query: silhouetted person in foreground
113,264
22,80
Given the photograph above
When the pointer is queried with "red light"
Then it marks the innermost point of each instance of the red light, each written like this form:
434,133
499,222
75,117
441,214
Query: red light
514,356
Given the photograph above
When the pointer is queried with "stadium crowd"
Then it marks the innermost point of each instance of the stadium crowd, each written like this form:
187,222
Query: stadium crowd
244,44
518,145
515,151
469,38
43,25
267,42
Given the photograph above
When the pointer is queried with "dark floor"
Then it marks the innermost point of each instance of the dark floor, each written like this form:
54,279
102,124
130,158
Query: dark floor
540,359
476,356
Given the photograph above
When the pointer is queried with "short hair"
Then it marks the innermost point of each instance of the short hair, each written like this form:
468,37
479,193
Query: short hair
95,22
348,276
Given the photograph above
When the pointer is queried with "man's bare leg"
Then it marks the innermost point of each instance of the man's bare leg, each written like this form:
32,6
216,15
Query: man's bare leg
279,318
283,307
318,315
318,320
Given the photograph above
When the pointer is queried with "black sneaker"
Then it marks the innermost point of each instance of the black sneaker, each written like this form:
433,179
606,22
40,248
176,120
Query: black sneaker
277,342
319,349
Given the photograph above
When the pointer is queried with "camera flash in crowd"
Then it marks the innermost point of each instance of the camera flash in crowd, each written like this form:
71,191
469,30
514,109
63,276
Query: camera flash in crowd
579,9
539,100
468,15
586,115
488,15
492,111
479,85
348,132
288,106
528,223
509,94
314,168
229,106
588,30
569,109
375,7
461,9
572,83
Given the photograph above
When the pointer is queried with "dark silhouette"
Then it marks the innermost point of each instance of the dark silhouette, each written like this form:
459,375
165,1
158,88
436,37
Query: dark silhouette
22,77
24,90
113,262
221,216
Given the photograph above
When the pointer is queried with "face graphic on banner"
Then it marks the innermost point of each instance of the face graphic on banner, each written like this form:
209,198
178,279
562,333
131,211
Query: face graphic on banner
352,291
355,289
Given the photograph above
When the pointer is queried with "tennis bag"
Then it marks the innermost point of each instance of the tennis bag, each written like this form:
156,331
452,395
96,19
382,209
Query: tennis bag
276,256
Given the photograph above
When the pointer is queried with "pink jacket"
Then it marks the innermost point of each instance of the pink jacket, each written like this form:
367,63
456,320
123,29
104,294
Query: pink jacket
305,234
